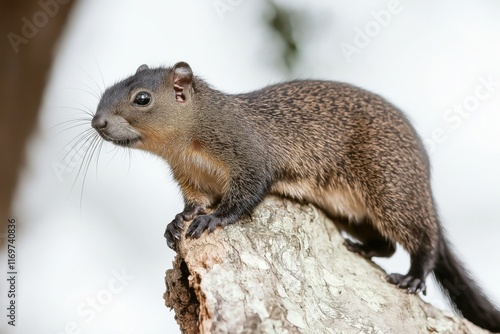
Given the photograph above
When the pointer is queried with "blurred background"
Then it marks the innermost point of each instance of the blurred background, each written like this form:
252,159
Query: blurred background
91,256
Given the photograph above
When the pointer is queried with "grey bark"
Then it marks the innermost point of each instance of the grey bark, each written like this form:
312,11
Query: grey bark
286,270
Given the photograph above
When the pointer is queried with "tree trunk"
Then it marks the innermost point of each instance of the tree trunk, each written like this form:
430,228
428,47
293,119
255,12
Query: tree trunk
30,31
286,270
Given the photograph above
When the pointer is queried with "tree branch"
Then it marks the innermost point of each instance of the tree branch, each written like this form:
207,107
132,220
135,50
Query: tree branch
286,270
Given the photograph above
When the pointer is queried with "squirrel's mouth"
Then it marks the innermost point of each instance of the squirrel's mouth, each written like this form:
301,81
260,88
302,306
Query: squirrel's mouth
128,142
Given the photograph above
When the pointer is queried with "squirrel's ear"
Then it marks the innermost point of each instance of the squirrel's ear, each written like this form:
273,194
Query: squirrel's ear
142,68
182,79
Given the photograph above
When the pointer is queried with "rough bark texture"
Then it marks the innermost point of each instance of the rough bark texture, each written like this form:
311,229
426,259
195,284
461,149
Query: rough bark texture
286,270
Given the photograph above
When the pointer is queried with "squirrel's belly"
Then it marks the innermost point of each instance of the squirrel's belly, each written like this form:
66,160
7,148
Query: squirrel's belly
335,201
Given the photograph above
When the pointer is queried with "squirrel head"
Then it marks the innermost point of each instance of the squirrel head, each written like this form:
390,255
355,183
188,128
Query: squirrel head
149,107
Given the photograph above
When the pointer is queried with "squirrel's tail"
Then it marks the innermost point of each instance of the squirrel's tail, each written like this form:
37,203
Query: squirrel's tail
463,292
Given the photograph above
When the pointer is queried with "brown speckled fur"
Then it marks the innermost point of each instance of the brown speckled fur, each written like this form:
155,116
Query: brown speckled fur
342,148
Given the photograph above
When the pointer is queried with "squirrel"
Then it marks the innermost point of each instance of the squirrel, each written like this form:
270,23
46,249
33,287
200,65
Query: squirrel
345,150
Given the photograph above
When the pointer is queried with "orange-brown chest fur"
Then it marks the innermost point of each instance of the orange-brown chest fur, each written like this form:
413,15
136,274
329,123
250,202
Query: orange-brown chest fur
200,175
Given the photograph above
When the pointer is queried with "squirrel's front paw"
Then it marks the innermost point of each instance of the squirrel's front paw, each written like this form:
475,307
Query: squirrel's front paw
173,230
202,223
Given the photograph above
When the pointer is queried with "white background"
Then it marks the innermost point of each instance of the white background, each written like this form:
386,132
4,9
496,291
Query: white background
427,57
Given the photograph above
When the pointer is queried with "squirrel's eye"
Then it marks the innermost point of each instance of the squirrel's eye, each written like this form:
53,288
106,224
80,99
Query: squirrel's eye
142,98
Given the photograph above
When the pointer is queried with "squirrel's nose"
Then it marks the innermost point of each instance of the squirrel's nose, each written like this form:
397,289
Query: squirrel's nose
99,122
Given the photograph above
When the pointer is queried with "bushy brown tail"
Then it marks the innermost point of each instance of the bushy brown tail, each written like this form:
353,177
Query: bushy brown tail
463,292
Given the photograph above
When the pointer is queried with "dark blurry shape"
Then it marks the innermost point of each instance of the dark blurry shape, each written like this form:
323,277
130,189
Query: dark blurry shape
295,28
30,31
283,22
